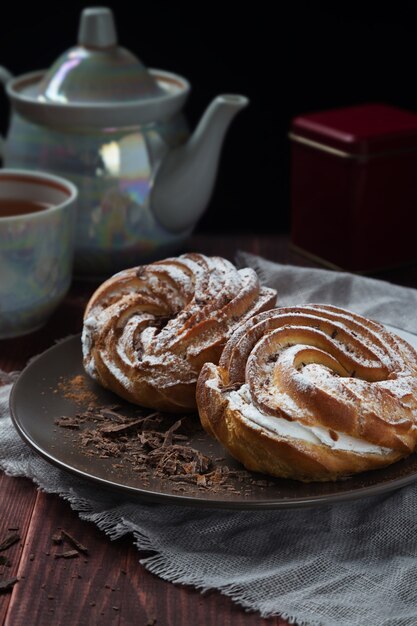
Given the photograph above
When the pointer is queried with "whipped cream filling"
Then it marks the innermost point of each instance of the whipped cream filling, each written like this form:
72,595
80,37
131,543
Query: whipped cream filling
241,401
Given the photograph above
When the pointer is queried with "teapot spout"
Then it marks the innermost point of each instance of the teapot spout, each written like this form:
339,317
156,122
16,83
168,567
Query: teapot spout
185,180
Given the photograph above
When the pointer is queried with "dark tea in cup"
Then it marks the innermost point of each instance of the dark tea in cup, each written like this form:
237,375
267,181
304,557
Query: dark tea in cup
11,207
37,220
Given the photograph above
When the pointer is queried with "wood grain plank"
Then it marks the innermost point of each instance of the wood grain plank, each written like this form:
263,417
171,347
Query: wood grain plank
17,501
109,586
84,590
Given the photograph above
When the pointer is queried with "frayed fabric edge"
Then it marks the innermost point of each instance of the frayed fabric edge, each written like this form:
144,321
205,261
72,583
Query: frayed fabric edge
159,565
241,260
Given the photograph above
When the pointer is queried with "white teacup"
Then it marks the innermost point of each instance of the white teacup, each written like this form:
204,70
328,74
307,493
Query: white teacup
37,226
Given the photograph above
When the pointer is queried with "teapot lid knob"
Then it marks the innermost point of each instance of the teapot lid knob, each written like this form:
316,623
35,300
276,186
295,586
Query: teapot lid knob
97,28
97,69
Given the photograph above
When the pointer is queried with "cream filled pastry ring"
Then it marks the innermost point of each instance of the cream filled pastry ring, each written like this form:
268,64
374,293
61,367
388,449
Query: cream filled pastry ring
313,393
148,330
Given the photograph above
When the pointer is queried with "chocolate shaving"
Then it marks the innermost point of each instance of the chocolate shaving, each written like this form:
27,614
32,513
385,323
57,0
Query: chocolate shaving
111,414
175,460
9,541
69,554
155,447
4,561
120,429
74,542
168,435
7,585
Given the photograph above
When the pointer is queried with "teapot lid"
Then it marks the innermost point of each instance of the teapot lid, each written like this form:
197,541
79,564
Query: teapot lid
97,69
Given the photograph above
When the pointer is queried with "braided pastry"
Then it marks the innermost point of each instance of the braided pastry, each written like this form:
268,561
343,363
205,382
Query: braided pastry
148,330
312,392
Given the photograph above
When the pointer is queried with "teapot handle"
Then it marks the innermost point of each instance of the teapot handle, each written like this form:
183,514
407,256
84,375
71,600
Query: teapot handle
5,76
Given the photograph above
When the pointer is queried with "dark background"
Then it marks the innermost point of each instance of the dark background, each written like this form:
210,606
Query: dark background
288,57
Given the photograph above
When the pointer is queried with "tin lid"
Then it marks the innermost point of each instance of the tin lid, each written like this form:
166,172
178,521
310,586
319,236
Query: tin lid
360,130
97,69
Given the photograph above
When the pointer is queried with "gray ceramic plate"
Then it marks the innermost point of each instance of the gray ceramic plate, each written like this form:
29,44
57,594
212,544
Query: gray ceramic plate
37,401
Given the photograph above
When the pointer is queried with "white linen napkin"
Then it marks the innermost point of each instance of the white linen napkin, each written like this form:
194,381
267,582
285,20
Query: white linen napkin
346,564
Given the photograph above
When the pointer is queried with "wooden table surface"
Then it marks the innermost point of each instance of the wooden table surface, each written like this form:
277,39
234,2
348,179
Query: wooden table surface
109,586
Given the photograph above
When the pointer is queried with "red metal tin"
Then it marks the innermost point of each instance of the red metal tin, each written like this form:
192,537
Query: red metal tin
354,186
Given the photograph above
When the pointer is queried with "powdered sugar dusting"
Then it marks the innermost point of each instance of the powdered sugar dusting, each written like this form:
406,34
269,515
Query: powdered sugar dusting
116,371
318,365
168,314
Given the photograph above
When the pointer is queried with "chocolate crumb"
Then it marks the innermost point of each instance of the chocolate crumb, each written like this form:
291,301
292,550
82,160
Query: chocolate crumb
260,483
333,434
272,358
67,422
7,585
9,541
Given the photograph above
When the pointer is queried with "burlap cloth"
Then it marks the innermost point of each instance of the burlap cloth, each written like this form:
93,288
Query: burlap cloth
350,564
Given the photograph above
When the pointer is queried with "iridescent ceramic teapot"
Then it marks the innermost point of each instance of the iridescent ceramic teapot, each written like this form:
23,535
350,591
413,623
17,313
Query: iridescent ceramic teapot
101,119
